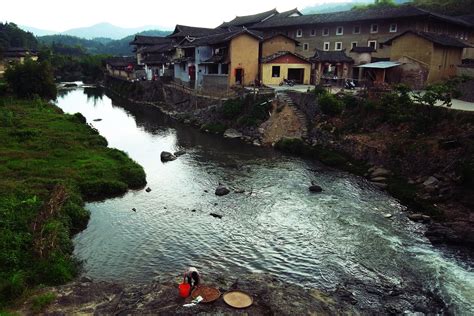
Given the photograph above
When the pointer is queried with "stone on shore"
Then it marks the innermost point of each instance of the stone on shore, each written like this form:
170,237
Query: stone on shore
379,179
222,190
179,153
167,156
232,133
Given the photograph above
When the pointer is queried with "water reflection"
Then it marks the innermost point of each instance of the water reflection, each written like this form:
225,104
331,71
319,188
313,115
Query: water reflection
339,236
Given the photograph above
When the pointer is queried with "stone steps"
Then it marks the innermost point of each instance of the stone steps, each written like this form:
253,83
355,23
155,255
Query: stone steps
282,96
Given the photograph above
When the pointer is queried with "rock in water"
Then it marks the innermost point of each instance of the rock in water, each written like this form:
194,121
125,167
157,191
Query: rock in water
134,209
232,133
216,215
222,190
148,189
166,156
315,188
179,153
97,120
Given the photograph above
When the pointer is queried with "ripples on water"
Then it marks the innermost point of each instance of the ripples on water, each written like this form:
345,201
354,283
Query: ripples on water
277,226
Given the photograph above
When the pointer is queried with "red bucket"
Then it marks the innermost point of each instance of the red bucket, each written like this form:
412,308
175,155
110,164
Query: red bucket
184,289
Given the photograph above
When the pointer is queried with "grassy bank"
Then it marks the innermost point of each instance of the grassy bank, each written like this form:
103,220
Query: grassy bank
50,163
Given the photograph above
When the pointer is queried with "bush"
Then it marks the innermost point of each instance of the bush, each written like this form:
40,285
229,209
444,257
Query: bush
216,128
97,189
31,79
231,109
330,105
40,302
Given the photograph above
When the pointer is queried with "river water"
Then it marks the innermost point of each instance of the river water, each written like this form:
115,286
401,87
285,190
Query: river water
277,226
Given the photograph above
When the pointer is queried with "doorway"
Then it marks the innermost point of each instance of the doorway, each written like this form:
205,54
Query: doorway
239,76
296,74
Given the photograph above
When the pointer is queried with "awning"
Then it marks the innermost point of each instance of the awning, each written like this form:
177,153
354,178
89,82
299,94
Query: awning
380,65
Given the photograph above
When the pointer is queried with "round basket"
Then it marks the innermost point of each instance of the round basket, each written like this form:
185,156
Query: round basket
238,299
208,294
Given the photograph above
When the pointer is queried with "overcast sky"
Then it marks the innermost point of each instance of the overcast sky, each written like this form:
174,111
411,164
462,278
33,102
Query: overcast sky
61,15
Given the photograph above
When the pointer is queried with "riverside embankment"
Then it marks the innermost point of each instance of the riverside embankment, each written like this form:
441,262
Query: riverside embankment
339,242
423,155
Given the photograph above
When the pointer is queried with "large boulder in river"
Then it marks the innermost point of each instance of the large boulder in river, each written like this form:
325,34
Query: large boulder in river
232,133
222,190
166,156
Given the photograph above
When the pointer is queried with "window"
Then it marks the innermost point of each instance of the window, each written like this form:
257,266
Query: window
339,30
305,46
299,33
338,46
374,28
275,71
326,46
372,44
325,31
225,69
353,44
213,69
356,29
313,32
393,28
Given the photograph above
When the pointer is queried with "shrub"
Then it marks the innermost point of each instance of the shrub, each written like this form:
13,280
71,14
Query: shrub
232,108
96,189
40,302
330,105
216,128
31,79
80,118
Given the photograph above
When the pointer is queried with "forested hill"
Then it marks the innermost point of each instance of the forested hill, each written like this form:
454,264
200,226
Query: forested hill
98,45
12,36
448,7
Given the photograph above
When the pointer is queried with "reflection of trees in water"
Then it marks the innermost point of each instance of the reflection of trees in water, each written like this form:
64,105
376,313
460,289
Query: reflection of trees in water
153,121
64,92
94,94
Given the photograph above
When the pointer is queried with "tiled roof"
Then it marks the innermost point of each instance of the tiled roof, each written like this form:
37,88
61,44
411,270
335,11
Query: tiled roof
331,56
363,49
467,18
402,11
156,59
160,48
184,30
18,52
149,40
288,13
276,55
217,59
249,20
223,37
440,39
121,61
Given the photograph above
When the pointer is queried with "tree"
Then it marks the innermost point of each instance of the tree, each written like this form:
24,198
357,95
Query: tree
450,7
31,79
376,4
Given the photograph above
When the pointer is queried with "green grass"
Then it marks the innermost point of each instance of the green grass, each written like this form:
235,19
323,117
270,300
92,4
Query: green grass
40,302
40,147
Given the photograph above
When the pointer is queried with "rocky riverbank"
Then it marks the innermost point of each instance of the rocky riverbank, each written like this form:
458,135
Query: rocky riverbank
270,297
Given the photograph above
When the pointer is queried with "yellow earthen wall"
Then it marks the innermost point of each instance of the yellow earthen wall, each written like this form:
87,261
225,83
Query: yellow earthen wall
277,44
267,72
243,53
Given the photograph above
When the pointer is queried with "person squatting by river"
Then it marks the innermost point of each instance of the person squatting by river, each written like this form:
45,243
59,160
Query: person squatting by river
192,276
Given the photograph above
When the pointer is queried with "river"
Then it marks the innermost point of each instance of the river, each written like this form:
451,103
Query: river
277,226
